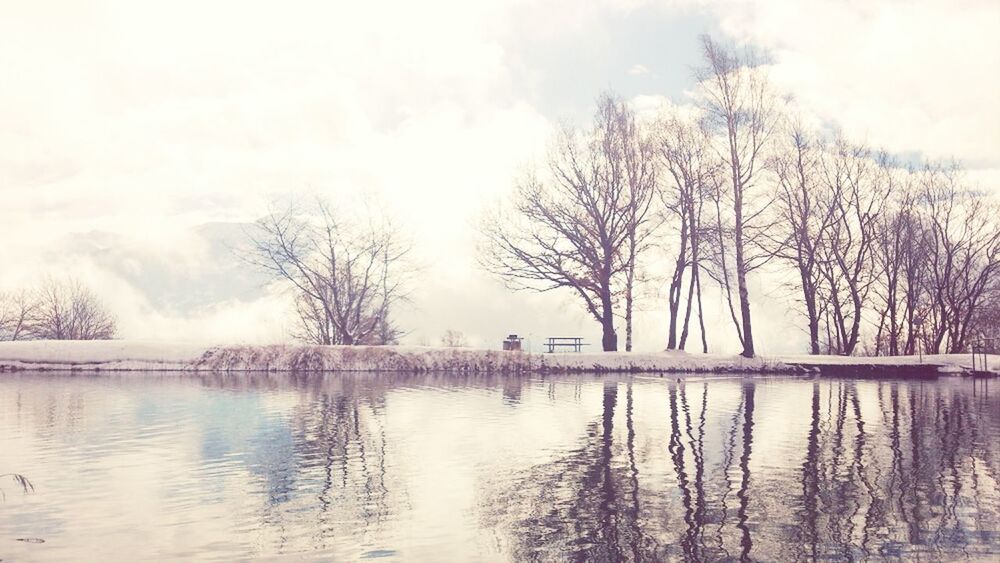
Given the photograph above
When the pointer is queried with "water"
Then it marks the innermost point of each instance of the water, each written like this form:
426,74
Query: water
461,468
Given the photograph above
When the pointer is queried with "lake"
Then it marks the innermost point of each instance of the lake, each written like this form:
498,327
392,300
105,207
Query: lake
453,467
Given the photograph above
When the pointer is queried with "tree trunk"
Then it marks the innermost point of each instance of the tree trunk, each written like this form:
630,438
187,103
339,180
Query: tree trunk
676,287
809,296
893,313
855,334
741,283
813,322
629,282
878,333
748,348
909,347
694,265
628,320
741,278
701,313
609,340
687,314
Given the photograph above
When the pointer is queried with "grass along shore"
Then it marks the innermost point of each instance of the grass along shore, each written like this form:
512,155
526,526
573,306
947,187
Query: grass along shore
126,355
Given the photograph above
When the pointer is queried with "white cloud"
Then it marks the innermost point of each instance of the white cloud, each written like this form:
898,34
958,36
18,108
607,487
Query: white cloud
906,75
638,70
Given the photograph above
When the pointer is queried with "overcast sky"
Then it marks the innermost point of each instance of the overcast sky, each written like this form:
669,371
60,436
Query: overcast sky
138,137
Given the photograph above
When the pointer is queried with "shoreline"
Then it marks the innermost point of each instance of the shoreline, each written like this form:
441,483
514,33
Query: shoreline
135,356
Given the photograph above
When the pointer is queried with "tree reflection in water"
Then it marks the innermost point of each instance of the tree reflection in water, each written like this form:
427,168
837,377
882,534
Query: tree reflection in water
586,467
889,469
323,468
586,504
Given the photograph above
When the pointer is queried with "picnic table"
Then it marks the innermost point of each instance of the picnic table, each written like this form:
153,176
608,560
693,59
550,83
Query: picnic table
575,343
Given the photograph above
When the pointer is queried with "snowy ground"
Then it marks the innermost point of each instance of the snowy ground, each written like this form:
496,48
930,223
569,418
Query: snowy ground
98,354
956,361
123,355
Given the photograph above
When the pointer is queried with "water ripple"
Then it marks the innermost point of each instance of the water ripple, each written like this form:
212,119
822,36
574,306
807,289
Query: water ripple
481,467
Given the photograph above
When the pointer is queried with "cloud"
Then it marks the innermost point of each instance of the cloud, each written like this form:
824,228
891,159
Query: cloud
638,70
914,76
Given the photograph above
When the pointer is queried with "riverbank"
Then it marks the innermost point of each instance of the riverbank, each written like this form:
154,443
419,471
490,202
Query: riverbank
125,355
120,355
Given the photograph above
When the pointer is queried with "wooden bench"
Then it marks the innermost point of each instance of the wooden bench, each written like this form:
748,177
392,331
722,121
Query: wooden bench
575,343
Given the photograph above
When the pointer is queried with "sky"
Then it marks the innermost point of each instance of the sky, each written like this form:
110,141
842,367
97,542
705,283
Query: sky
141,138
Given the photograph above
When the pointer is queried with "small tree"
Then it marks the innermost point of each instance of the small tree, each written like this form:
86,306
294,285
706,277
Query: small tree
347,274
67,310
17,315
454,339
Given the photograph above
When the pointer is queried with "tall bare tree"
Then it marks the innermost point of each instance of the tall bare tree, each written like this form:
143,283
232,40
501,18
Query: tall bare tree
637,153
347,274
578,224
691,174
739,110
806,217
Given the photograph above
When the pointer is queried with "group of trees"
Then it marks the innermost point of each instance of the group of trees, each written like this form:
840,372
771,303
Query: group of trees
881,258
912,253
884,258
55,310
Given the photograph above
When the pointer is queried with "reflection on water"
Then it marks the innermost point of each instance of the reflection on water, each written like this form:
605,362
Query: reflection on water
424,467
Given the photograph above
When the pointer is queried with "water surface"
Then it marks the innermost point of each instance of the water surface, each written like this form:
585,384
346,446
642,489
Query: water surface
472,467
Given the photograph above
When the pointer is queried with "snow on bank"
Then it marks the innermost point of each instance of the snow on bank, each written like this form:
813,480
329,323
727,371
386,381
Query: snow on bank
672,361
98,355
949,363
123,355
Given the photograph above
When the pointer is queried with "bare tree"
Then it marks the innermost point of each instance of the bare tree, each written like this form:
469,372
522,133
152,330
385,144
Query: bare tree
347,275
67,310
963,255
739,111
900,270
454,339
858,186
17,315
806,217
636,149
577,227
692,174
987,317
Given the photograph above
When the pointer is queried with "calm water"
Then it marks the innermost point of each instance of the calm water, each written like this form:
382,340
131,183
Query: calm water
464,468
